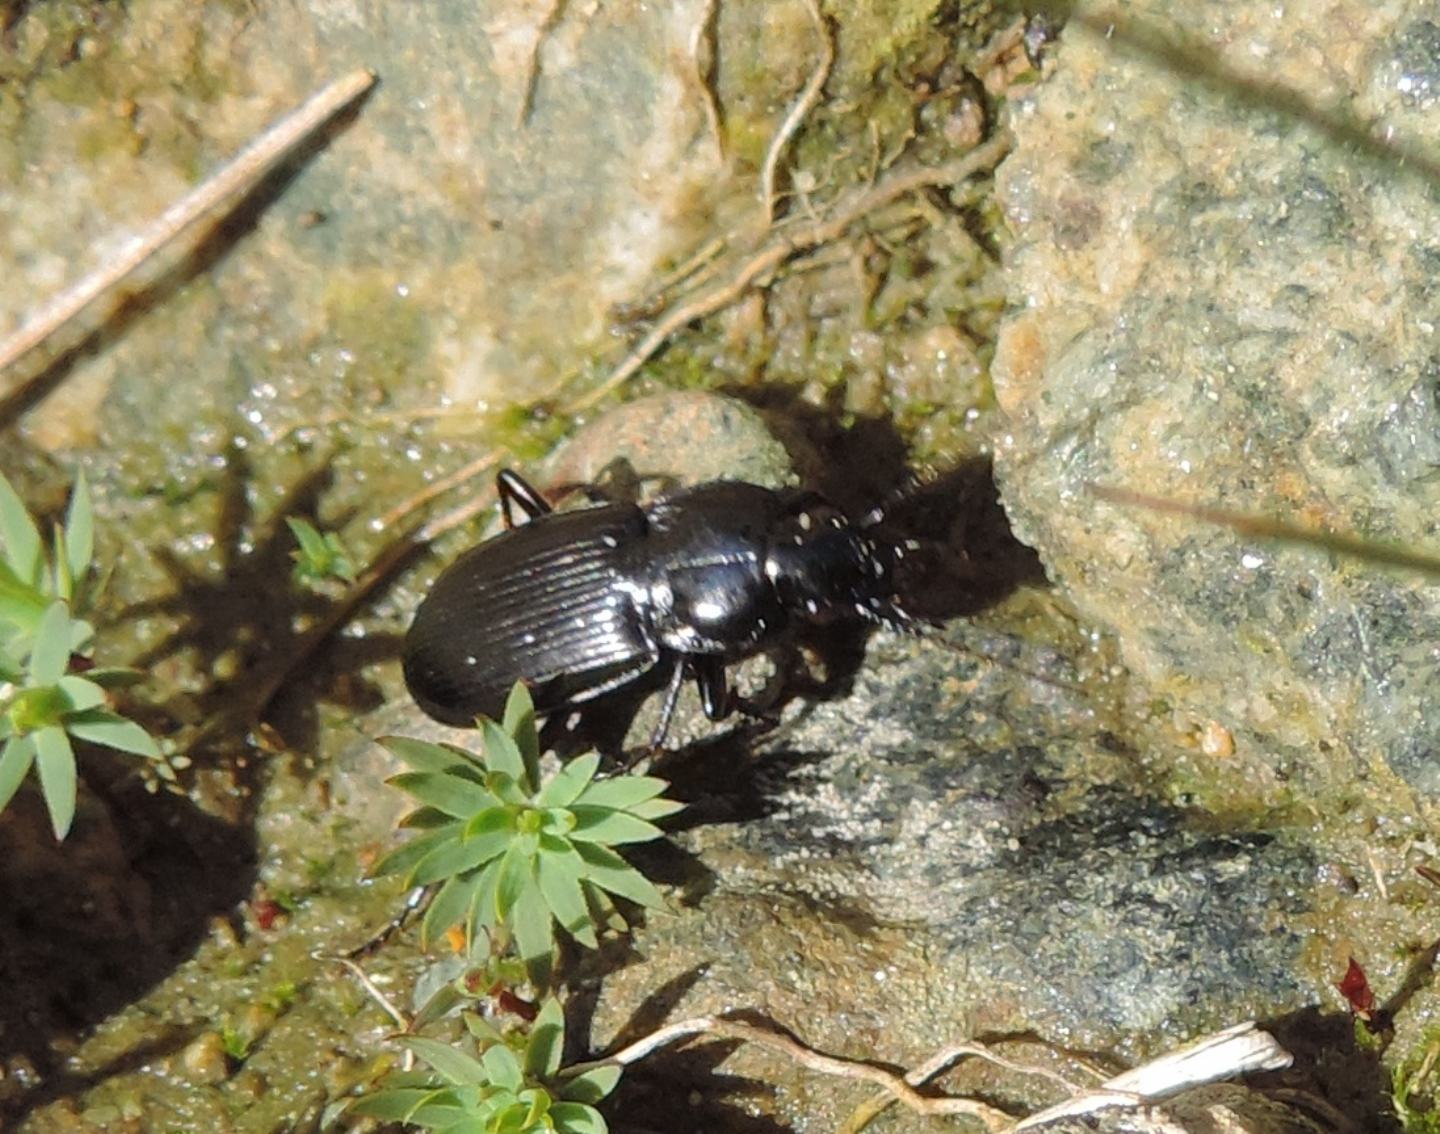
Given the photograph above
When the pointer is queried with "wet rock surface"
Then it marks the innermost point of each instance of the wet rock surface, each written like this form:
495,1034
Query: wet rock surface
974,833
1226,297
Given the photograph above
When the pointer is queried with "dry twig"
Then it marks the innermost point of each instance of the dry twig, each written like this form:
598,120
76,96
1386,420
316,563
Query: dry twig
548,22
721,1028
372,990
217,192
702,56
785,243
1239,1050
803,105
938,1064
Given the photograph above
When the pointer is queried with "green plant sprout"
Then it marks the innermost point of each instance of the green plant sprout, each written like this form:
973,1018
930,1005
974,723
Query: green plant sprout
503,1090
512,855
43,704
320,556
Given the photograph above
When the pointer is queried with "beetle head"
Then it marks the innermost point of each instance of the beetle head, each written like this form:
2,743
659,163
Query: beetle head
823,567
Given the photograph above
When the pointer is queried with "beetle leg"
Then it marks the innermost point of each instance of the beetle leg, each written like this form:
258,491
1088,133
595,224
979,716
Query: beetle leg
516,491
667,707
714,686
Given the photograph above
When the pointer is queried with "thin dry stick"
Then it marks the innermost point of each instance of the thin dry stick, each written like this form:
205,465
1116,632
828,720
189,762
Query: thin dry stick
369,986
548,22
939,1063
792,1048
787,243
1266,527
803,105
414,503
238,176
702,55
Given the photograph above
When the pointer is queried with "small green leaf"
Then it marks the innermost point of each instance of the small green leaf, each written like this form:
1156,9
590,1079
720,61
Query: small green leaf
422,756
484,905
503,755
569,783
601,825
519,722
312,543
427,819
21,604
459,856
531,923
453,1065
51,652
496,820
79,532
63,584
81,692
451,794
442,1002
20,536
320,555
537,1105
592,1086
514,876
55,761
393,1105
502,1068
484,1031
508,789
113,731
113,676
558,871
81,634
449,907
653,809
403,858
547,1041
622,792
15,760
606,869
576,1118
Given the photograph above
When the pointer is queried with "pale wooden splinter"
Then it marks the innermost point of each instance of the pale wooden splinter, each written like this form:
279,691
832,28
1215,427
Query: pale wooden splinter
217,193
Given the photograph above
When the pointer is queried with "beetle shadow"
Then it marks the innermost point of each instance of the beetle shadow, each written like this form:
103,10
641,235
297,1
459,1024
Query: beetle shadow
92,924
235,615
673,1080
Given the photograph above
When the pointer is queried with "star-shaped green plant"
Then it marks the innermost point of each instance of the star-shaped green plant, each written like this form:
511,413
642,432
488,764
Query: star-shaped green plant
513,854
43,704
503,1091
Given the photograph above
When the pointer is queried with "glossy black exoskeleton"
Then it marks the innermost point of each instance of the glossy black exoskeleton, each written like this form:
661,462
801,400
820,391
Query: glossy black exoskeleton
580,603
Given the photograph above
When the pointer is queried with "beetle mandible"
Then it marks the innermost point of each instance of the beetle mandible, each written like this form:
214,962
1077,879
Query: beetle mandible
580,603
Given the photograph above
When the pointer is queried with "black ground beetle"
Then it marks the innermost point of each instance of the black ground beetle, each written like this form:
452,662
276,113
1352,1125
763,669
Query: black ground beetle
581,603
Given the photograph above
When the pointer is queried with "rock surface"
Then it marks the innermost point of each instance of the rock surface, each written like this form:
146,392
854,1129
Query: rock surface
1226,296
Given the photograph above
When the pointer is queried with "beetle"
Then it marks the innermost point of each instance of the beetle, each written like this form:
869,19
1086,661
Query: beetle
581,603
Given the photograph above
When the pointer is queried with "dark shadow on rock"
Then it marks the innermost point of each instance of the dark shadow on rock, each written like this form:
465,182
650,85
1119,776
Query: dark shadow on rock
61,1084
92,924
1331,1066
244,615
968,556
684,1089
673,1081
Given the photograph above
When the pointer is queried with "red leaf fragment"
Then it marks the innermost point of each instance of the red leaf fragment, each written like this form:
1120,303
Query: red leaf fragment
1355,987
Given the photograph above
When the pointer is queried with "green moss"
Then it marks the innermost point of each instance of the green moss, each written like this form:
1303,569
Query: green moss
1412,1091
